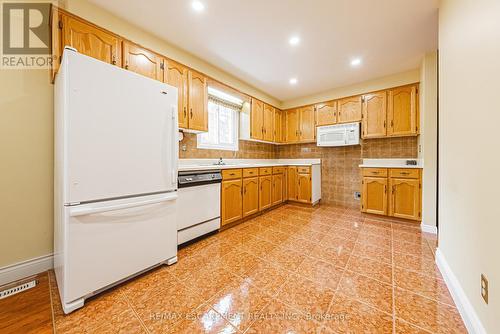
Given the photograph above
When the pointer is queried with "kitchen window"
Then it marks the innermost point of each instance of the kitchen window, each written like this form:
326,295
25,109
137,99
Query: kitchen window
223,121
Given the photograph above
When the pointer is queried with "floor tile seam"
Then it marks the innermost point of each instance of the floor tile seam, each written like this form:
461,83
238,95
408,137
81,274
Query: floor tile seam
338,285
414,325
52,313
227,320
297,309
426,297
421,272
369,277
365,303
129,307
393,281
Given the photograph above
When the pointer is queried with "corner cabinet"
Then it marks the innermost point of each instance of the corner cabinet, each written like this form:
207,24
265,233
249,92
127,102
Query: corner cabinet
262,121
394,192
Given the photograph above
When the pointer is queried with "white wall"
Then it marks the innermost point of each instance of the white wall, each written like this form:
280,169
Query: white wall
428,137
469,150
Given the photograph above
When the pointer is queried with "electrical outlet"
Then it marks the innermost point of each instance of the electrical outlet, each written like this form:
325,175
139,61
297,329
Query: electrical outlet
484,288
357,195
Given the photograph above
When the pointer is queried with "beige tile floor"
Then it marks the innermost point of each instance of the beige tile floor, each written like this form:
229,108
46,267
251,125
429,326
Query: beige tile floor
291,270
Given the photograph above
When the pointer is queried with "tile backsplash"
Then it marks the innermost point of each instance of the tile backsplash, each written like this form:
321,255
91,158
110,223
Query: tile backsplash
340,174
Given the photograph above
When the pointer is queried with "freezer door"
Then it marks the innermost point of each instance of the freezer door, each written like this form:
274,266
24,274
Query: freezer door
121,132
109,241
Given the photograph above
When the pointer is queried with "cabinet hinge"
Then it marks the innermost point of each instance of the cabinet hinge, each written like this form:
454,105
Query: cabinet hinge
162,66
60,24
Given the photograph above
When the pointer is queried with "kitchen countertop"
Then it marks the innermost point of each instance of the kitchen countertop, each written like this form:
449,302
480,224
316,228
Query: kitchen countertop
390,163
209,164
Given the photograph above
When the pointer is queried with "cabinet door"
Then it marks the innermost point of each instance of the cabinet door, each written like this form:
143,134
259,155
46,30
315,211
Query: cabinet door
307,124
177,75
265,196
326,113
142,61
250,196
349,109
268,123
91,41
257,120
292,126
278,133
403,111
277,196
231,201
56,35
374,195
285,185
292,183
404,199
304,188
198,101
374,115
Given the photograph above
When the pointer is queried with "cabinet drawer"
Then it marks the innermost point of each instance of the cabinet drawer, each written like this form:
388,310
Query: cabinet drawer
304,170
278,170
265,171
377,172
405,173
250,172
229,174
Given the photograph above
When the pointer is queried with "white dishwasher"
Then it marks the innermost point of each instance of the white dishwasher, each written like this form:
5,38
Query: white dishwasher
198,204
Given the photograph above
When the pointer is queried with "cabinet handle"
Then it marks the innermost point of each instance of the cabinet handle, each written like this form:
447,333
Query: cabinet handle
191,112
405,173
393,189
392,124
384,124
385,189
113,61
375,173
244,190
185,112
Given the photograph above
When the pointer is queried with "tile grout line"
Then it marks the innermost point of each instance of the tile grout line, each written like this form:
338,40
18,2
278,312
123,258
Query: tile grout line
51,304
393,283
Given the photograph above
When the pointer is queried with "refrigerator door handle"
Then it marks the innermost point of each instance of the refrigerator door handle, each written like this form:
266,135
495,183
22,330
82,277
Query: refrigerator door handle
87,210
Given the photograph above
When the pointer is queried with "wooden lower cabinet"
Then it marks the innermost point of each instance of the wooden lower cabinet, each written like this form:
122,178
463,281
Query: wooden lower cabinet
304,188
392,192
265,192
250,196
231,201
277,195
374,195
291,183
405,198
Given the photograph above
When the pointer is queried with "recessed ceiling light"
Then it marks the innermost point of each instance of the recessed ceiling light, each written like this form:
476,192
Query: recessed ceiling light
293,81
294,40
198,6
356,62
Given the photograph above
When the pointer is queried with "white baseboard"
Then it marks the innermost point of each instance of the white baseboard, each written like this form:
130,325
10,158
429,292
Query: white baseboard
27,268
429,228
464,306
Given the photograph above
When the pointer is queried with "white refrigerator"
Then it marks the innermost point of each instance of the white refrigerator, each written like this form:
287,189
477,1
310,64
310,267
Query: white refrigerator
116,155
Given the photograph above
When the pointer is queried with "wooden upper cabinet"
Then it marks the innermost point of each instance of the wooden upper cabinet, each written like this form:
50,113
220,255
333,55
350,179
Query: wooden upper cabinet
268,123
374,195
292,125
307,130
349,109
277,195
403,111
197,101
250,196
374,115
91,41
177,75
142,61
278,126
304,188
326,113
56,35
257,120
231,201
265,192
404,200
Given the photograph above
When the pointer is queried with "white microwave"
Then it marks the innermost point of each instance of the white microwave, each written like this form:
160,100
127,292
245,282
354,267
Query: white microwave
338,135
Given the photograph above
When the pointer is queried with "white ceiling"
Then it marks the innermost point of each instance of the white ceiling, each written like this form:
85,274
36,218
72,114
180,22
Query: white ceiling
249,38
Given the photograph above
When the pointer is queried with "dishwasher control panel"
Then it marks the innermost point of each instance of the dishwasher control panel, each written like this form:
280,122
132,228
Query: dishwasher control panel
192,179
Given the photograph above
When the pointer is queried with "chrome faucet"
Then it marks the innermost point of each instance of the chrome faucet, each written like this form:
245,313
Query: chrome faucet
220,162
